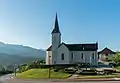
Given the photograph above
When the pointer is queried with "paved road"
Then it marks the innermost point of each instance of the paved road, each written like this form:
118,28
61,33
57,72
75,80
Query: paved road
5,77
9,79
38,81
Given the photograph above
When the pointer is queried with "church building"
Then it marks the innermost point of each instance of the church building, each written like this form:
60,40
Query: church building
63,53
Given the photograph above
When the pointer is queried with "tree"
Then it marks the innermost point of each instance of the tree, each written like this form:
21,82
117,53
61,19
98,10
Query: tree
116,58
42,61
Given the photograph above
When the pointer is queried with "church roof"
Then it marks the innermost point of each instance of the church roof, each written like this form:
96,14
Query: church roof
82,47
50,48
79,47
106,51
56,26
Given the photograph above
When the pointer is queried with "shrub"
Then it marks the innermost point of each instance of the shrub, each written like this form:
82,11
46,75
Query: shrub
45,66
56,70
88,72
70,70
93,69
22,68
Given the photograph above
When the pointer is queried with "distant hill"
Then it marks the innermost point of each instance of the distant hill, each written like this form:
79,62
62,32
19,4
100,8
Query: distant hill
12,54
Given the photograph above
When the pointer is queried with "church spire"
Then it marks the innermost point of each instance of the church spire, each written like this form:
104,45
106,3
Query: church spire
56,26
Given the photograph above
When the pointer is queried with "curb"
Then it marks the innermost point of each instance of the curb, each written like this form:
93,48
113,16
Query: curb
84,80
73,80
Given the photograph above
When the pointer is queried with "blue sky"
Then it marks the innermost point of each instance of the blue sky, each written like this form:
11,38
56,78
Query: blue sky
30,22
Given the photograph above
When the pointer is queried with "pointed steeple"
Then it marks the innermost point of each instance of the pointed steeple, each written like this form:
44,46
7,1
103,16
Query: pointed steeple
56,26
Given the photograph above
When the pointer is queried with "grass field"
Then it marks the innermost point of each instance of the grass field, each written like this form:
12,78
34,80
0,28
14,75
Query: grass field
42,73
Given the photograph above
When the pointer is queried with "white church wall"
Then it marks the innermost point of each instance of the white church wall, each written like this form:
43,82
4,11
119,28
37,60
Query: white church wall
63,49
77,57
48,57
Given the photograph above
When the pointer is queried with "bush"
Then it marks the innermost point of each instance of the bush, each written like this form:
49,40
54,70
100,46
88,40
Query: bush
45,66
22,68
93,69
31,66
70,70
88,72
56,70
5,72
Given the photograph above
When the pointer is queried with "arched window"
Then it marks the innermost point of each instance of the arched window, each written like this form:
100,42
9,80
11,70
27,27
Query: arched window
81,55
72,56
93,55
62,56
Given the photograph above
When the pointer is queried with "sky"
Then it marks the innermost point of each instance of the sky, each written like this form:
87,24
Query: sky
30,22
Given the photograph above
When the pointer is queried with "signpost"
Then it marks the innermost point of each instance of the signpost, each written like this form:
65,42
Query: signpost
15,69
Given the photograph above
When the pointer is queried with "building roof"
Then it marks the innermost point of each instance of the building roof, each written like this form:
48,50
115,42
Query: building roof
79,47
56,26
106,51
50,48
82,47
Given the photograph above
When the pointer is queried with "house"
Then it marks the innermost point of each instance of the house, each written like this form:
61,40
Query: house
63,53
105,54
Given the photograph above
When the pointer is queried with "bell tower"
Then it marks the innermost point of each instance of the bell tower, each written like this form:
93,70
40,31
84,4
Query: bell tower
56,40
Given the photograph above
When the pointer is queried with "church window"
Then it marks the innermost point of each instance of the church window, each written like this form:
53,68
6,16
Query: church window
93,55
62,56
81,55
72,56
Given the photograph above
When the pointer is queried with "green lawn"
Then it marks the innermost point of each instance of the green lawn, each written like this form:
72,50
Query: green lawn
42,73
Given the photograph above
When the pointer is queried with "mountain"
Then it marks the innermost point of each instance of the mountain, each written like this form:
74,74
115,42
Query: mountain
17,54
